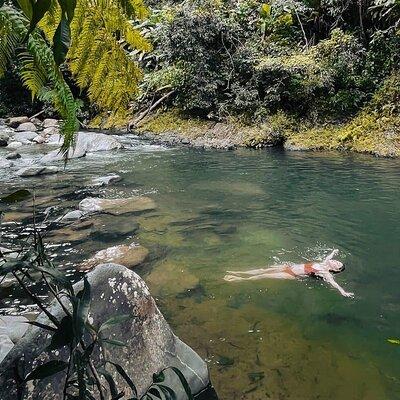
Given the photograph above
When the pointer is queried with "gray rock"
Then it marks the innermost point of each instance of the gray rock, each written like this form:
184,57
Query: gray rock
105,180
130,256
5,163
56,155
26,126
14,145
24,136
39,139
54,138
150,343
36,170
4,138
52,130
14,327
117,206
50,122
71,216
16,121
85,142
6,345
13,156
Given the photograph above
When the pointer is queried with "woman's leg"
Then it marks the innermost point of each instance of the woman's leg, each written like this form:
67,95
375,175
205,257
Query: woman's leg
271,275
269,270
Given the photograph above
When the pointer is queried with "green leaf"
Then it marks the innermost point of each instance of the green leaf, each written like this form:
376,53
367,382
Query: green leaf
63,335
184,382
38,10
68,7
55,274
17,196
168,392
394,341
26,7
43,326
82,309
13,266
61,41
154,391
128,380
110,381
48,369
159,377
113,321
114,342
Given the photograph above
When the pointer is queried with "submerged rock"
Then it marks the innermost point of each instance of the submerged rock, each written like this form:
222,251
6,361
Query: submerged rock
130,256
150,343
5,163
37,170
13,156
117,206
14,145
4,138
105,180
71,216
26,126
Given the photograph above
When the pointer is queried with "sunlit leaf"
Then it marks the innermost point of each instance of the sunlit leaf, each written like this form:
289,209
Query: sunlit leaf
394,341
48,369
113,321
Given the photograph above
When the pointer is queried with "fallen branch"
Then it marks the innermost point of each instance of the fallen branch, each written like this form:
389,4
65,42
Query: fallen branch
134,123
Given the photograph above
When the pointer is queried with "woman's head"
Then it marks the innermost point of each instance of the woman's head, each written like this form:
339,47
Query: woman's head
335,266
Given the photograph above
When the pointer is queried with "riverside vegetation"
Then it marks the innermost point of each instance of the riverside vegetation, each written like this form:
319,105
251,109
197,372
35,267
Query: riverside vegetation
309,74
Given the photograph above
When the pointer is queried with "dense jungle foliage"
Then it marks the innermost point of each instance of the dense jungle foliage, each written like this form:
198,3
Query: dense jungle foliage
319,62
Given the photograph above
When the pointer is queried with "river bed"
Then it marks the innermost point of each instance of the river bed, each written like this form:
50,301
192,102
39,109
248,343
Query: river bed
218,211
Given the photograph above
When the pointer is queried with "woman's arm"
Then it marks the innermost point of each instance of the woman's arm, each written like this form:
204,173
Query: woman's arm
334,252
329,279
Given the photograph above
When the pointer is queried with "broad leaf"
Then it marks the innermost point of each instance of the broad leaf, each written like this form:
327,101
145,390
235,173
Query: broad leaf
113,321
39,8
26,7
12,266
17,196
155,391
110,381
61,41
48,369
68,7
168,392
128,380
184,382
64,334
114,342
160,377
82,309
43,326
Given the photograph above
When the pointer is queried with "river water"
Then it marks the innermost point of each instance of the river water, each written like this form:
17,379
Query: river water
219,211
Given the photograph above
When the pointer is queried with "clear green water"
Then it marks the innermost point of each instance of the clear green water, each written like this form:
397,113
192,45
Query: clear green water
245,209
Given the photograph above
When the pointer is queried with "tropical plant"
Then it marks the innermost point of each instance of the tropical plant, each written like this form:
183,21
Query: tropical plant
21,39
73,331
96,38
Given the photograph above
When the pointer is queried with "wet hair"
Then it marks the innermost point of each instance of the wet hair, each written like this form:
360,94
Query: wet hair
338,272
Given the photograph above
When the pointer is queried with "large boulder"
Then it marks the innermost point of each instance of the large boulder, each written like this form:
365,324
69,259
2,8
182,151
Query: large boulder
130,256
117,206
86,142
12,328
36,170
150,343
14,145
16,121
26,127
25,137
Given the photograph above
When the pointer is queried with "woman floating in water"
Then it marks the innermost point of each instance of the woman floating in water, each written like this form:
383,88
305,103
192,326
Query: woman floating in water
323,269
